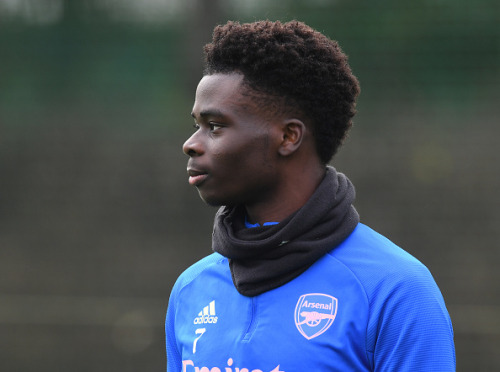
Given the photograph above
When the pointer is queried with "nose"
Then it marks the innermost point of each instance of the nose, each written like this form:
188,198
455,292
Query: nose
193,146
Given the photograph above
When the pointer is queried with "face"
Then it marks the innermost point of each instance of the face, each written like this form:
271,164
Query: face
232,153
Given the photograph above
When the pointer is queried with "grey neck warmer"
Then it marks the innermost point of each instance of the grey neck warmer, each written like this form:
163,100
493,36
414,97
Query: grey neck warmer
264,258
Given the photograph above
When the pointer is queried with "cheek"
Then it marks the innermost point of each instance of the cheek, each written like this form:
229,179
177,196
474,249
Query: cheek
237,156
232,153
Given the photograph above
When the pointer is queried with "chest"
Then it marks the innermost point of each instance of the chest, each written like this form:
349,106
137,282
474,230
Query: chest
313,323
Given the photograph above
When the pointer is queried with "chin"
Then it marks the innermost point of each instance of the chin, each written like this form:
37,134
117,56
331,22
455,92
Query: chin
214,201
211,200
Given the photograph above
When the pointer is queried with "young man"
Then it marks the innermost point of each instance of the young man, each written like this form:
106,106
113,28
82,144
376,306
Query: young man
296,282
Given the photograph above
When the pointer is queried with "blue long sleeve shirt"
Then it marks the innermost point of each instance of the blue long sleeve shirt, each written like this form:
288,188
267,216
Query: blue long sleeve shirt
367,305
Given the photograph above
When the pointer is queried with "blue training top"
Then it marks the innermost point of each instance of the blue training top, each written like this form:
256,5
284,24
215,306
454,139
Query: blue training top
367,305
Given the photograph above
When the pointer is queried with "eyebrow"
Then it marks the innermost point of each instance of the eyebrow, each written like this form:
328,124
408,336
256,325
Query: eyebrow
209,113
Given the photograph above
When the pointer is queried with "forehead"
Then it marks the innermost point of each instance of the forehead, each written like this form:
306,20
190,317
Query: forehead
222,93
224,85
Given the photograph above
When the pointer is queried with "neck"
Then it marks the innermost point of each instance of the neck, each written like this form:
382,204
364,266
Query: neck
297,187
262,259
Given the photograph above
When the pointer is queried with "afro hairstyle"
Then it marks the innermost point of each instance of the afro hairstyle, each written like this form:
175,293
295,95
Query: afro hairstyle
291,64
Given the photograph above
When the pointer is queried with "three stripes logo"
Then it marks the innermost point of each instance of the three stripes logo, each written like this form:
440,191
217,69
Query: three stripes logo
207,315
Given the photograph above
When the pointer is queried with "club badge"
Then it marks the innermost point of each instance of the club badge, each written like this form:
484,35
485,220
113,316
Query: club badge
314,314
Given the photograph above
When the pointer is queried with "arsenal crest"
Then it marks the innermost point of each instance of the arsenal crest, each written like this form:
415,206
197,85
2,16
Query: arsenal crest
315,313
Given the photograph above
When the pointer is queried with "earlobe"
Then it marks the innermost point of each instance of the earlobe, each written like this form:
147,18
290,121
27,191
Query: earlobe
293,134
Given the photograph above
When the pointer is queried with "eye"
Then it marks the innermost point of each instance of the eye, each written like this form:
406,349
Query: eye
196,126
214,126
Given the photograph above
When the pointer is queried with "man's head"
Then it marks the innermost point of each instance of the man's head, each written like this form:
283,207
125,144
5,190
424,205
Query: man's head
273,106
290,68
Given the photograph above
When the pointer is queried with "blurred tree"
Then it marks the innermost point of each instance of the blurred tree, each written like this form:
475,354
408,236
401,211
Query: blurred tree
73,10
200,20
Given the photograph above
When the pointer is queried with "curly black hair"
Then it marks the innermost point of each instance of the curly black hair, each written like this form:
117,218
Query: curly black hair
291,61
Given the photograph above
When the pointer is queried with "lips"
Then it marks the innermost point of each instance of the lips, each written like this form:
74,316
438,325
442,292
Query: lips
196,177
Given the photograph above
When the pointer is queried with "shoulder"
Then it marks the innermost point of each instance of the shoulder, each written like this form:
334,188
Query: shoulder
375,261
196,279
198,269
396,284
406,309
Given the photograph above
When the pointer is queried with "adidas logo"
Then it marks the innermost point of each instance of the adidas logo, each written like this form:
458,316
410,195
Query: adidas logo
207,315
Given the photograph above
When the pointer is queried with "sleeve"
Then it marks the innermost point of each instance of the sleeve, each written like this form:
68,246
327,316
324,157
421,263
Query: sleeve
411,329
174,362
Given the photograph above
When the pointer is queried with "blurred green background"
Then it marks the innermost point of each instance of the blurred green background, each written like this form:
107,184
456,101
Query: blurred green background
97,219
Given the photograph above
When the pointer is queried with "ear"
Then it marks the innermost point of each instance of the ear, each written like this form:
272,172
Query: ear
293,134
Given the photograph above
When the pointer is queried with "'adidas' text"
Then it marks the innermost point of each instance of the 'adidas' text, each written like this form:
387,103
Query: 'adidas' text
207,315
205,319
